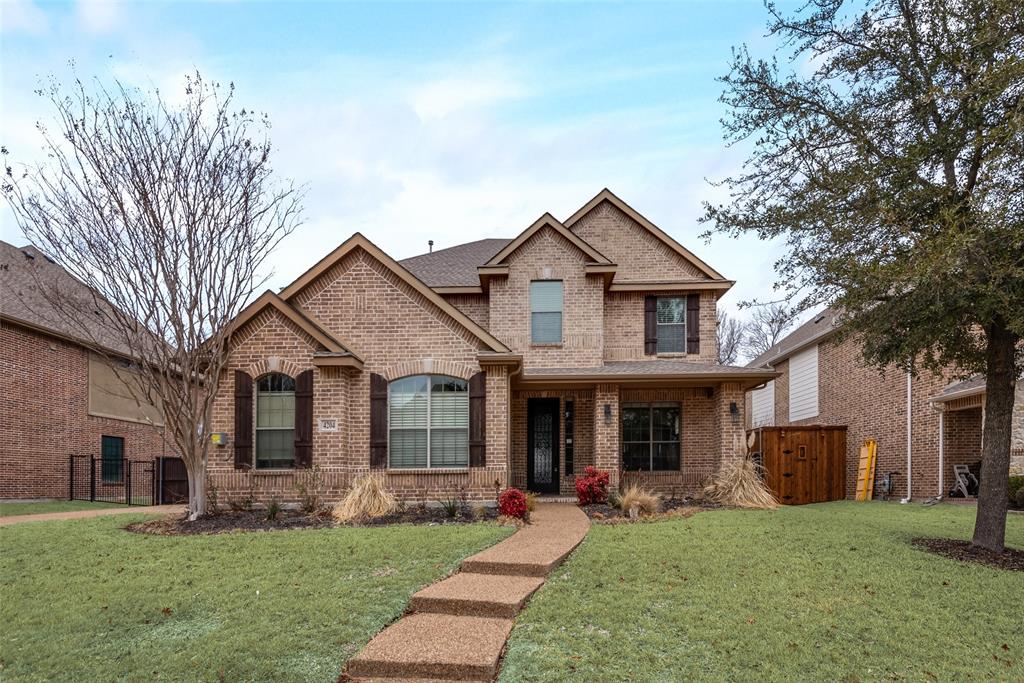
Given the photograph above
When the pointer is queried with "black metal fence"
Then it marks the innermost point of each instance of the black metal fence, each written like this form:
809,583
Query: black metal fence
131,482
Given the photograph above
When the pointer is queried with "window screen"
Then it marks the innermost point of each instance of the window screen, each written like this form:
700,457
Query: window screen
546,311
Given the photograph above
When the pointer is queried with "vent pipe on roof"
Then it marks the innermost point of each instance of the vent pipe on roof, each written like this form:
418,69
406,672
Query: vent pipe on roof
430,246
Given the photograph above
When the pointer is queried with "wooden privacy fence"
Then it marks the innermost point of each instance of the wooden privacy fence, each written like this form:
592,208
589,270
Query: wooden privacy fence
802,464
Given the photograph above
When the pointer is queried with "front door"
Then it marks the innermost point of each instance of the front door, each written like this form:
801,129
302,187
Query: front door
542,445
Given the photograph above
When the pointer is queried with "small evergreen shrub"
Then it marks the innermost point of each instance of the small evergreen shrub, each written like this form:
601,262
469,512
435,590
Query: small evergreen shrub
592,487
512,503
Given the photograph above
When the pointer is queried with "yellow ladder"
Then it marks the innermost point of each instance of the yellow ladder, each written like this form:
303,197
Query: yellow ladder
866,470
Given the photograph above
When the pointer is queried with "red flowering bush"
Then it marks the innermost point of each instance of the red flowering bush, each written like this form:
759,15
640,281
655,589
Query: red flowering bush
512,503
592,487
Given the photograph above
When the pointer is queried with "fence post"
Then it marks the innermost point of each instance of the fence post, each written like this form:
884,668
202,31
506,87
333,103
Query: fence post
158,481
92,478
127,465
71,477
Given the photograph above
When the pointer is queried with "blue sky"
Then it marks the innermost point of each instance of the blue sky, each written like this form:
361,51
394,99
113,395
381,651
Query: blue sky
419,121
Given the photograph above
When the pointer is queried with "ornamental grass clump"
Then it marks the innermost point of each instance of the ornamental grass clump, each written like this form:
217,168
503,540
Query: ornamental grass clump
738,483
368,498
644,502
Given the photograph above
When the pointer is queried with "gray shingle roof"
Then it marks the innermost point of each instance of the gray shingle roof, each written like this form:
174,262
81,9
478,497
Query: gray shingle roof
818,327
654,368
973,385
455,266
29,283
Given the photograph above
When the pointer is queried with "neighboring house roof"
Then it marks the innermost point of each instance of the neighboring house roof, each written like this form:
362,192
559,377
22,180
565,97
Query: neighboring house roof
820,326
607,195
358,241
30,284
454,266
652,370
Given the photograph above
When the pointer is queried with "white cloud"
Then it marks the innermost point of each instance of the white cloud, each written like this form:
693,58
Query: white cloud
23,16
453,93
98,16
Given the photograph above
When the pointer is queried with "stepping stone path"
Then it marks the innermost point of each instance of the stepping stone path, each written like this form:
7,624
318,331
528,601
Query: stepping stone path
456,629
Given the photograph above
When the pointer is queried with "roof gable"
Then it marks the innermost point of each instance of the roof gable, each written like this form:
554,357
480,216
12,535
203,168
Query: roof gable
299,318
358,241
606,195
548,221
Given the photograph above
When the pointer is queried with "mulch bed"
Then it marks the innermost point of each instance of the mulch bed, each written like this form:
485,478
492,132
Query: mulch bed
1010,559
678,507
256,520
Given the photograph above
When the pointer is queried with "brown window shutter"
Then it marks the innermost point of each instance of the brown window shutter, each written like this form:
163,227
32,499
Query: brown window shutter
378,422
243,421
693,323
650,325
304,419
478,420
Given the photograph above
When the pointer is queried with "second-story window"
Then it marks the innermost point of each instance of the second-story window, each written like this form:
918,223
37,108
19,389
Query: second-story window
671,324
546,311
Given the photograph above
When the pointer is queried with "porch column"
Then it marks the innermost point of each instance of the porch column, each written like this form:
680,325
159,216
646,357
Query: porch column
496,473
729,407
606,431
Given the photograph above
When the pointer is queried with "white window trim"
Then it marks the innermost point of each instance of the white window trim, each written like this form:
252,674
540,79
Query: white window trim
256,429
658,326
560,311
428,428
766,394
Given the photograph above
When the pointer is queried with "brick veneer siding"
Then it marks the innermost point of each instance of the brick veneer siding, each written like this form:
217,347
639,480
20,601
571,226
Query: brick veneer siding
397,332
44,415
872,405
624,328
639,255
549,256
962,430
476,306
607,431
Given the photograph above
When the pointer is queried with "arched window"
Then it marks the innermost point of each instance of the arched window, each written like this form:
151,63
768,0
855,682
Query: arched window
275,421
428,419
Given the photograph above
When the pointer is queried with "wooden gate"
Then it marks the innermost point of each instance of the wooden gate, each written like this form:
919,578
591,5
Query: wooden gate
802,464
172,481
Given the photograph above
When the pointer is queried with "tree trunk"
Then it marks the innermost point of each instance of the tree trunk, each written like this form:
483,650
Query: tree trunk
990,524
197,493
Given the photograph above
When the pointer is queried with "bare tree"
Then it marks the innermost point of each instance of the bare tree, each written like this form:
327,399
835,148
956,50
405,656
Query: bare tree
166,213
768,324
730,338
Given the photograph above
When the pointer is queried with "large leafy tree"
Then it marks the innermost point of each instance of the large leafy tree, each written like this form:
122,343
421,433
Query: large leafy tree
889,155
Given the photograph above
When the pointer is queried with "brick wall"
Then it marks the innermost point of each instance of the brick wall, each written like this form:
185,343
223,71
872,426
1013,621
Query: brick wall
44,415
397,332
624,328
549,256
583,435
476,306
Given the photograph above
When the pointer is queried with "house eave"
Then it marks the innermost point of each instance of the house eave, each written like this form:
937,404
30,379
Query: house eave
671,285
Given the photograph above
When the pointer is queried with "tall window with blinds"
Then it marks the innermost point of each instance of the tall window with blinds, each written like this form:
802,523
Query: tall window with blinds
428,422
275,422
671,324
546,311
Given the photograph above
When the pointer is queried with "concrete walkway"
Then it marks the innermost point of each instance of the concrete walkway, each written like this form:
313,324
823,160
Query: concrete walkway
84,514
456,629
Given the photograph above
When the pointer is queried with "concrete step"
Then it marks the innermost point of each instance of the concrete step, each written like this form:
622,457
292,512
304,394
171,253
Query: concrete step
434,646
477,595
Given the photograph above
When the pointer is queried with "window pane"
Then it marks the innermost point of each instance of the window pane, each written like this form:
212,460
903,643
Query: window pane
547,328
275,382
449,410
275,448
636,423
671,310
449,447
408,448
636,456
408,402
275,411
666,456
671,338
546,296
112,464
666,423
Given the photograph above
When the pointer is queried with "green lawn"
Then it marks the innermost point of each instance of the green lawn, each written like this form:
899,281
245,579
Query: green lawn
35,508
84,600
828,592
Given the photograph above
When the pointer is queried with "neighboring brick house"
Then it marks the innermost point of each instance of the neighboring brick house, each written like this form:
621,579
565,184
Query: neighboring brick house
494,363
58,398
823,380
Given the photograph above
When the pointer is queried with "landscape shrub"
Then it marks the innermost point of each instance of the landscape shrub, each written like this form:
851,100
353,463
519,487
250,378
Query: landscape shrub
738,483
531,501
369,497
592,487
645,502
512,503
1016,491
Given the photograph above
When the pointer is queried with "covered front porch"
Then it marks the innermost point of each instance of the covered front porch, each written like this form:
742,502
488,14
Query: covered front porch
664,424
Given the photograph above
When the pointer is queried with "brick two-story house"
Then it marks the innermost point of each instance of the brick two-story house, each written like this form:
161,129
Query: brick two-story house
494,363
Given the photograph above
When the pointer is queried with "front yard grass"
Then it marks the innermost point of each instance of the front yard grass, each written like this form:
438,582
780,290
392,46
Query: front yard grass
41,506
84,600
830,592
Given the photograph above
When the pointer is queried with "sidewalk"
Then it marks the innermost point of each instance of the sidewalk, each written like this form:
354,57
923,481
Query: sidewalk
84,514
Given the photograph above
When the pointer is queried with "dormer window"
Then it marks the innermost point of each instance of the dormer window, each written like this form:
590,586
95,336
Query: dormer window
546,311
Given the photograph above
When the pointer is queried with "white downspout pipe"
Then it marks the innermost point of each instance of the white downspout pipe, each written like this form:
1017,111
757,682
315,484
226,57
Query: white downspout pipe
942,450
910,441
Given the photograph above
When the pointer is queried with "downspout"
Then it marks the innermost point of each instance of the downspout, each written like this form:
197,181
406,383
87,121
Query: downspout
910,418
942,448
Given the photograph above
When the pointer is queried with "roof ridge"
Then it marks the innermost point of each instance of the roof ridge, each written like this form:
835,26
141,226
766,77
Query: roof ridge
456,246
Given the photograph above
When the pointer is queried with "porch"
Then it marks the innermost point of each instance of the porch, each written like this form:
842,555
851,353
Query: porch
664,424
